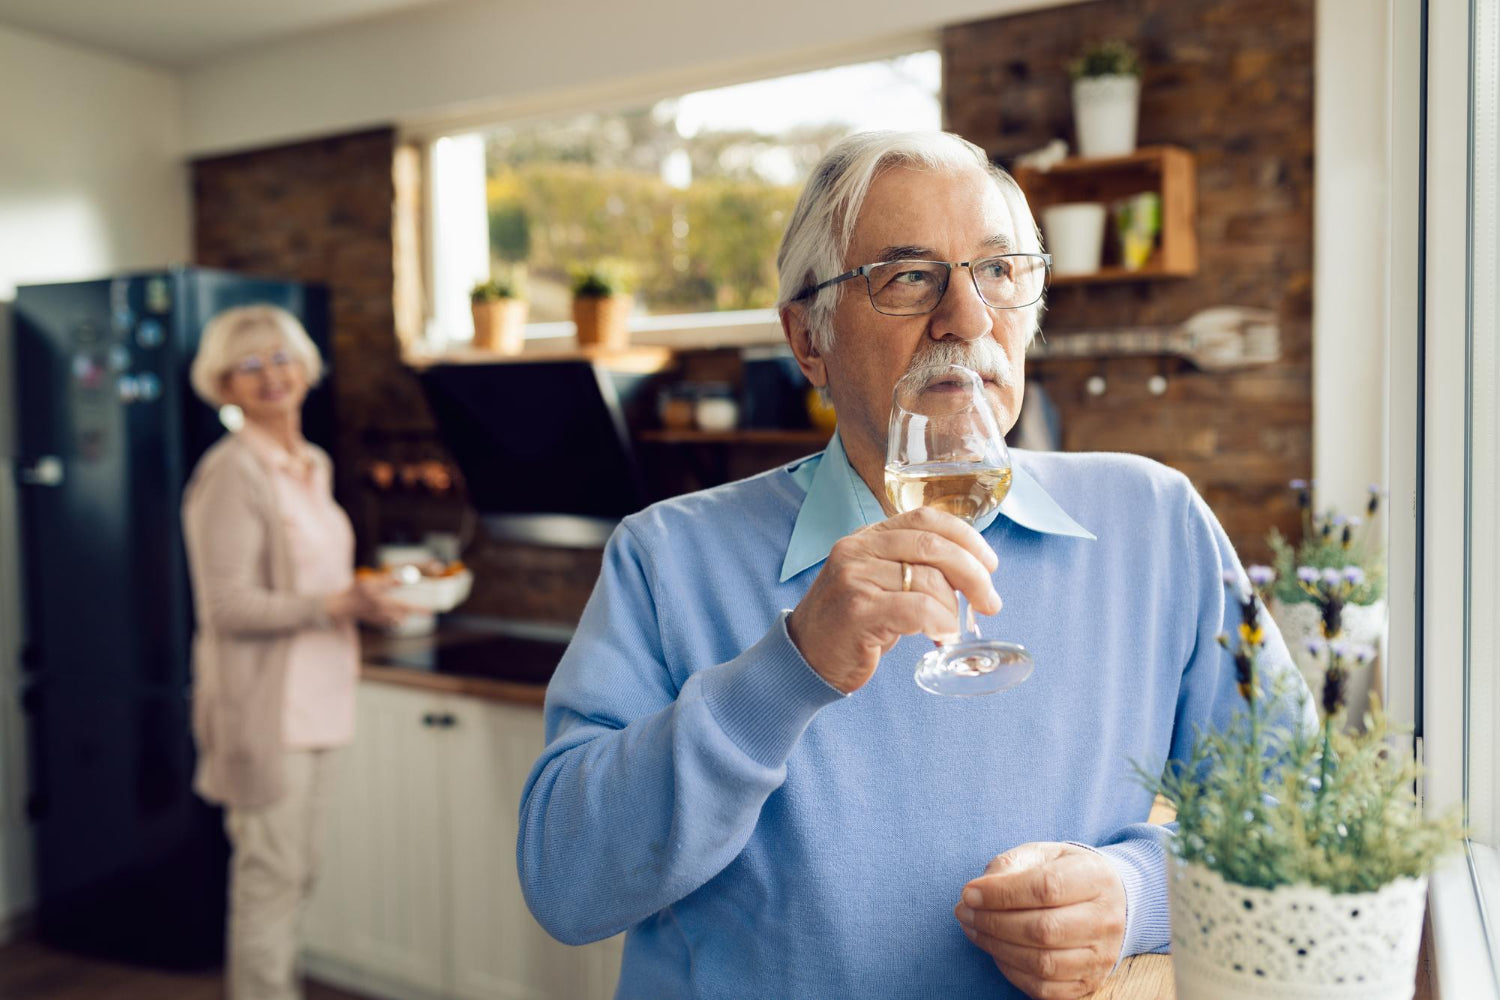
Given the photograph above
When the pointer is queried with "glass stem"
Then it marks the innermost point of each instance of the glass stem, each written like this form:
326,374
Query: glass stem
967,626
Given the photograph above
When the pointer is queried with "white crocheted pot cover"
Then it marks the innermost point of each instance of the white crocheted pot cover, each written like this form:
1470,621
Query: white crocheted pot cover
1298,942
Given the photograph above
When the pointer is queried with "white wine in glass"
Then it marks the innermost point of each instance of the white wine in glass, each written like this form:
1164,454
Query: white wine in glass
946,451
963,490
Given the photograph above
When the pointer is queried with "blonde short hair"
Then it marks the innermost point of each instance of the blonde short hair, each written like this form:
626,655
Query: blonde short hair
233,333
816,239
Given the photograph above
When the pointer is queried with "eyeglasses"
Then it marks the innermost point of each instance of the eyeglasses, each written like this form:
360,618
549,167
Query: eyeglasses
254,364
914,287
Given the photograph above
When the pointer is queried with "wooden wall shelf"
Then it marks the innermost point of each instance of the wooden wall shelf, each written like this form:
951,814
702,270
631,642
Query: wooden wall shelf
1168,170
641,360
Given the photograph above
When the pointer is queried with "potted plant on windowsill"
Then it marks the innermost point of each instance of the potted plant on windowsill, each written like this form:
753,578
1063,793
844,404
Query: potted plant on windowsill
602,302
1106,98
499,308
1299,867
1305,592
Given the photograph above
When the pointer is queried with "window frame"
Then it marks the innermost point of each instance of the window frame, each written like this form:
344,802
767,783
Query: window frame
1430,439
751,327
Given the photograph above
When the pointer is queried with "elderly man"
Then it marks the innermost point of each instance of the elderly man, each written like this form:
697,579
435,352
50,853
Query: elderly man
740,771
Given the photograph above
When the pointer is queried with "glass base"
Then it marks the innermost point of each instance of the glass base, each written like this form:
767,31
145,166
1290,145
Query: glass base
980,666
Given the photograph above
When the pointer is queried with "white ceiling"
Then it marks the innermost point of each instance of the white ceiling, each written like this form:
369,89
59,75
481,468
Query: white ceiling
178,34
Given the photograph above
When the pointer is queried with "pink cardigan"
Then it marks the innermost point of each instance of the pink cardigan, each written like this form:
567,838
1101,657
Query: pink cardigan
247,612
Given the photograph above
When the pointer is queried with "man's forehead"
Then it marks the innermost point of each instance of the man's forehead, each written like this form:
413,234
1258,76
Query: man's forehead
917,213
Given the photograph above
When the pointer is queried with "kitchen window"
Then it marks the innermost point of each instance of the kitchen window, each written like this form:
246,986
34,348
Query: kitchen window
692,192
1445,449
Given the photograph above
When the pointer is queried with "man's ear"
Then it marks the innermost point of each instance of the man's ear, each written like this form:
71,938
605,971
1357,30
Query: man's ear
799,337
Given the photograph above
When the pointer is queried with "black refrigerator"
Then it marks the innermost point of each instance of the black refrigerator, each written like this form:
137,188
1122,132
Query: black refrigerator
130,864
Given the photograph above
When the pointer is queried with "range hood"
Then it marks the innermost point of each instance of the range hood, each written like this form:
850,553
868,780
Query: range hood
543,445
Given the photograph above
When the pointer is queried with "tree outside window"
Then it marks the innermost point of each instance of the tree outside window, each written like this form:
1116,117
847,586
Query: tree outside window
694,192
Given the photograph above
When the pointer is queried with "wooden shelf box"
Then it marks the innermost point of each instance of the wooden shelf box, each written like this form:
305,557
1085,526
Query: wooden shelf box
1168,170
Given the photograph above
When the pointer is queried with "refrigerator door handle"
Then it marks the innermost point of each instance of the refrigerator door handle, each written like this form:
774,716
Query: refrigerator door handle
45,471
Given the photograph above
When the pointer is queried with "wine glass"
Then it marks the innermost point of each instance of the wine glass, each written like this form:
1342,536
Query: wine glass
946,451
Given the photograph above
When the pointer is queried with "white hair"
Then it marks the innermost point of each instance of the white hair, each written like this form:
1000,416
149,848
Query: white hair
823,222
233,333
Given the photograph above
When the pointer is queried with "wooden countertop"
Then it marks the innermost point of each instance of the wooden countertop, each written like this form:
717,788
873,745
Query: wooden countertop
375,647
475,687
1140,977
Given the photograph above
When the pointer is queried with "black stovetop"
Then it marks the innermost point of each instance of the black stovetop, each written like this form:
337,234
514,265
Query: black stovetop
492,656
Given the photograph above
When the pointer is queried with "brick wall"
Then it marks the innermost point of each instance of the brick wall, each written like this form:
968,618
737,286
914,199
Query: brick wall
323,211
1230,80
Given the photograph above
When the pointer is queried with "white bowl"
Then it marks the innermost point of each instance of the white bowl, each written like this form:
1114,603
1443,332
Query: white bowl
435,593
421,623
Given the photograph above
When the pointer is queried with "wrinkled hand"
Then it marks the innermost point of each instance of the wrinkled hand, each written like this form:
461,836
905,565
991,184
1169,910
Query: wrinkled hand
1052,916
855,610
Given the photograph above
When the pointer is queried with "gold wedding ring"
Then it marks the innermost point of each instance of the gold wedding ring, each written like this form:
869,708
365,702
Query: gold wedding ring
905,577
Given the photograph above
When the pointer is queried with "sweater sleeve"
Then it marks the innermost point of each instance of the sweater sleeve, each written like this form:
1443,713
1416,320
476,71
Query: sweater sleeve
1208,698
644,793
226,541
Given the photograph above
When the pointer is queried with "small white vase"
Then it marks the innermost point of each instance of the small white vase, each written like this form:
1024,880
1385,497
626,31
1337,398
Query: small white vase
1362,623
1075,236
1295,942
1105,109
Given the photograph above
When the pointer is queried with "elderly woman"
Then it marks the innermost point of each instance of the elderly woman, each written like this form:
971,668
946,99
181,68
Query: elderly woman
276,656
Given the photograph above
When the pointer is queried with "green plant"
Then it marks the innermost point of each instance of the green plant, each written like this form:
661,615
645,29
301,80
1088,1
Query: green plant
1111,58
601,278
1329,541
509,285
1267,805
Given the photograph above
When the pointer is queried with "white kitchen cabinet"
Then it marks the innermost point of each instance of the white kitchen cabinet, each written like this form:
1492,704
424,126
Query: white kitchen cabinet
499,951
443,918
381,901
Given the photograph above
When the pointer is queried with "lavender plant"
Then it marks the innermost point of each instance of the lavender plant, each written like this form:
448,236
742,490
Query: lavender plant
1330,540
1268,802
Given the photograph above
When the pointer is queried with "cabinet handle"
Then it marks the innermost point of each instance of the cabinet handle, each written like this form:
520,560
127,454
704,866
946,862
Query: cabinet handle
429,720
447,720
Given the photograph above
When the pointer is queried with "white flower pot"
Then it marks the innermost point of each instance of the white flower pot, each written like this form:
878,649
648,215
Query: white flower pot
1296,942
1363,623
1104,114
1075,236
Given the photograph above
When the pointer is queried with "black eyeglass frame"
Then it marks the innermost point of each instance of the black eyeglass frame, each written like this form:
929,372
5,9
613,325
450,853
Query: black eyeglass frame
864,272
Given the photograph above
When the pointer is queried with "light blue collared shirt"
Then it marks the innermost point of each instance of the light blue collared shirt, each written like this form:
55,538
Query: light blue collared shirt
839,502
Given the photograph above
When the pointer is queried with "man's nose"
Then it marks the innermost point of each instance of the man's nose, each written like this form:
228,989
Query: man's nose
962,313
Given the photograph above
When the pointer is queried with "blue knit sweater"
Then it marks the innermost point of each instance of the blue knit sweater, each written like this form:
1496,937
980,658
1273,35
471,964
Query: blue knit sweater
761,835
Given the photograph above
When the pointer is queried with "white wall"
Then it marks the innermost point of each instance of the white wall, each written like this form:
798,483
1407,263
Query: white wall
1349,238
506,57
90,178
90,182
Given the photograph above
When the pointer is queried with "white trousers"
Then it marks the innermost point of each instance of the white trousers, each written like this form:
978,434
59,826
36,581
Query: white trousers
271,872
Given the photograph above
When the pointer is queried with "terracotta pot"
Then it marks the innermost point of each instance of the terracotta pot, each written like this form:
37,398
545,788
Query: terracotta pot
601,321
500,325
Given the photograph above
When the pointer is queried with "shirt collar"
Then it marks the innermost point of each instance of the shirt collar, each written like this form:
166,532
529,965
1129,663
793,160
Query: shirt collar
838,502
299,463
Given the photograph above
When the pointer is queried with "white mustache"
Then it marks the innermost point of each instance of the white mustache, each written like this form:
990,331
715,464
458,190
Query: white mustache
983,356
